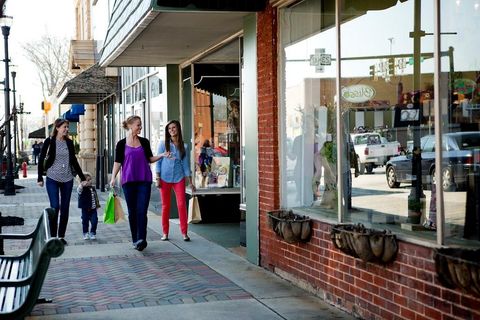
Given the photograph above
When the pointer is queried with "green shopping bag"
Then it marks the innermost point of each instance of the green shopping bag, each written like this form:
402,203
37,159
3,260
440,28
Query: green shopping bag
109,214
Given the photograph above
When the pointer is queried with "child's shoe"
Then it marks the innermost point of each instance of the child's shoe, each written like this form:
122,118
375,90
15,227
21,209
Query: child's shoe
86,236
93,236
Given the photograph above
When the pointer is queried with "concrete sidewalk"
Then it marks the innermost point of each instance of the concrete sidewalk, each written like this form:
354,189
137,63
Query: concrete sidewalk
107,279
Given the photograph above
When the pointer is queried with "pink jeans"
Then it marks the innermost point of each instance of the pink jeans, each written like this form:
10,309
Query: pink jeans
165,192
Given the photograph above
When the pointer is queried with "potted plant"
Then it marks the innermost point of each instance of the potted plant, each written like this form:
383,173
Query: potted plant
367,244
291,227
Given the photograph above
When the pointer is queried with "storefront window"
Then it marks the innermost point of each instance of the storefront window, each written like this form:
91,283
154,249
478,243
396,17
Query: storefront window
158,110
460,109
217,126
308,137
389,128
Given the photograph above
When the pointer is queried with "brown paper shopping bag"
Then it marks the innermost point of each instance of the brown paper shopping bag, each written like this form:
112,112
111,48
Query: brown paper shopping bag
119,213
194,215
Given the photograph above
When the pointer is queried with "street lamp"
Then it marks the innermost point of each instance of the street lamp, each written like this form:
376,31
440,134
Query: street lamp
14,115
6,22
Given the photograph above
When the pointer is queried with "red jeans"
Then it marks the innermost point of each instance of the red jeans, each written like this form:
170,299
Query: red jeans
165,192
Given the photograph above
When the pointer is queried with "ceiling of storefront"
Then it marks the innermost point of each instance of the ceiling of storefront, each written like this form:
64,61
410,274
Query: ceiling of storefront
174,37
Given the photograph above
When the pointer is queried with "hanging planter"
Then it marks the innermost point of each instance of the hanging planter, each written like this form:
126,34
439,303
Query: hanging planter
367,244
291,227
459,268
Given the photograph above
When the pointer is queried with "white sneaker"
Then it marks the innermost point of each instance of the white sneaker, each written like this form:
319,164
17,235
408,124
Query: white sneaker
93,236
86,236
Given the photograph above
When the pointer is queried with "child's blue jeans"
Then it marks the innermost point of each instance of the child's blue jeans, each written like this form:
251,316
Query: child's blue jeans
89,216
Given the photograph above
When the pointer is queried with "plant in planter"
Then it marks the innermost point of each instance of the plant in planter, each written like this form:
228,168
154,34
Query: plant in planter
291,227
367,244
459,268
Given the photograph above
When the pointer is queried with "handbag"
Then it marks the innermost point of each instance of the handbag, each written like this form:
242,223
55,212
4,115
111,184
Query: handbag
194,214
109,213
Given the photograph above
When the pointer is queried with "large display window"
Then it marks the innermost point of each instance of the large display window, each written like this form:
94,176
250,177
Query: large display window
216,126
360,139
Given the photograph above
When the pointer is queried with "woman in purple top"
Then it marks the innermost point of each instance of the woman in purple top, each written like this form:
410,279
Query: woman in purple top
134,155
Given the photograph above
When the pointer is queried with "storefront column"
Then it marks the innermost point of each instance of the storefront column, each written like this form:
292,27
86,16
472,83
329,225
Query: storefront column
87,132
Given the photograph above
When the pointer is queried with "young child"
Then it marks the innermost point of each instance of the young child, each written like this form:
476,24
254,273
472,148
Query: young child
88,202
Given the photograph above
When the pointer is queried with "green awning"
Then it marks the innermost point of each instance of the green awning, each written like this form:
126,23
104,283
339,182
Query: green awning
157,33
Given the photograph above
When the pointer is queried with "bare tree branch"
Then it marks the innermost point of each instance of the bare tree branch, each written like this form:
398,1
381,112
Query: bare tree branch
50,56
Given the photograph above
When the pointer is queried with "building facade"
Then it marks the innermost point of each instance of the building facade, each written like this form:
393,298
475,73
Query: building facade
312,75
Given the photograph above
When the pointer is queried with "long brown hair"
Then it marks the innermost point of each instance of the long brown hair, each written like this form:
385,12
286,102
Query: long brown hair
168,138
58,123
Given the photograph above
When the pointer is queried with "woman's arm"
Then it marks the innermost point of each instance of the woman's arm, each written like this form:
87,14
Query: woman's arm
186,168
116,169
41,158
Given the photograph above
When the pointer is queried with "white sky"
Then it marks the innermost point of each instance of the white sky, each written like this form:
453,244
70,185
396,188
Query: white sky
31,20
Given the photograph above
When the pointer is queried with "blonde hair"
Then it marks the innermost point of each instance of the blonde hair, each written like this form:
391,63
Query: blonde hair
129,121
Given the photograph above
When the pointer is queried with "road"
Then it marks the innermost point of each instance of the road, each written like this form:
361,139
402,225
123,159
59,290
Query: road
371,193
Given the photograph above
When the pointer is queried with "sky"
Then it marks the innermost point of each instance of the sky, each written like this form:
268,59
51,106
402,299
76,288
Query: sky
31,20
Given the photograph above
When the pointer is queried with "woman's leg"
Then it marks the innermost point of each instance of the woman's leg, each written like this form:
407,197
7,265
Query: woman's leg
52,191
129,190
65,196
165,192
144,190
179,189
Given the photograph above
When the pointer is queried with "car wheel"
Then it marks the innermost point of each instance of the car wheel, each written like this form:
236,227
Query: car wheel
362,168
447,184
392,178
369,168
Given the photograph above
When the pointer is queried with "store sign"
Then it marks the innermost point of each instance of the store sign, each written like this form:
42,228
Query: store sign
358,93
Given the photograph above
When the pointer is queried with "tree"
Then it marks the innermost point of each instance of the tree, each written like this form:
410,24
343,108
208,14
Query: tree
50,56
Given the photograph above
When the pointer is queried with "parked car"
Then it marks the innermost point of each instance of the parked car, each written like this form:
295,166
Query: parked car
373,150
461,156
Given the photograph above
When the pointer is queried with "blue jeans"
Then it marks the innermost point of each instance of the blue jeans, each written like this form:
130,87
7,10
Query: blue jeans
137,196
89,216
59,194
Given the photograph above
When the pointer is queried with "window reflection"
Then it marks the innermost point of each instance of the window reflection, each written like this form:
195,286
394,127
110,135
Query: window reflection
388,117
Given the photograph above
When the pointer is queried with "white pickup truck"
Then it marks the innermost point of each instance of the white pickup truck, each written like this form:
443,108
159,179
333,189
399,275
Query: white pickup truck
373,150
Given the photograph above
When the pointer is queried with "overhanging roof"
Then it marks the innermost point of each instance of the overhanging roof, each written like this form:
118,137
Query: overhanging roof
143,33
89,87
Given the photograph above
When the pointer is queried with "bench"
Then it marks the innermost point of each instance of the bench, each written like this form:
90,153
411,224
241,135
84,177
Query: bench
22,276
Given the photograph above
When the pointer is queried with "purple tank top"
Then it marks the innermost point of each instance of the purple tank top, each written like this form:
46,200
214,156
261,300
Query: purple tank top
135,166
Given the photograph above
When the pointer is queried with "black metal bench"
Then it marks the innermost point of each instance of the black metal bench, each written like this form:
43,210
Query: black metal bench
22,276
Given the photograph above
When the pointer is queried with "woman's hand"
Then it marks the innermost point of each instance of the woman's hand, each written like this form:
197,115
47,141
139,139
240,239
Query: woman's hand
40,183
159,183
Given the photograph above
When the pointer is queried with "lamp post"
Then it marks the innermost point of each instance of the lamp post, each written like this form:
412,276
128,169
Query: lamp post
14,115
9,179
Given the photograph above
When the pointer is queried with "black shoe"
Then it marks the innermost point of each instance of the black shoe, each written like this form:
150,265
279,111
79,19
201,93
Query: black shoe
186,237
63,241
140,245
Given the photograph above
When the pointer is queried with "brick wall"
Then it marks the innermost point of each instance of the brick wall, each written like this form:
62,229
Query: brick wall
404,289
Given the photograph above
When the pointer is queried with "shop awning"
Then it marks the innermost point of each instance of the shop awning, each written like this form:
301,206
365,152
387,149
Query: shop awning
73,115
89,87
40,133
161,32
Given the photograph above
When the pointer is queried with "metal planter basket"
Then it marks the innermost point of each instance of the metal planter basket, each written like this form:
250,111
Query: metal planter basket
291,227
459,268
367,244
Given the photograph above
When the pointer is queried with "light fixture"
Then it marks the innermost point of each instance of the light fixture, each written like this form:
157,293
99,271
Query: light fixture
6,21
